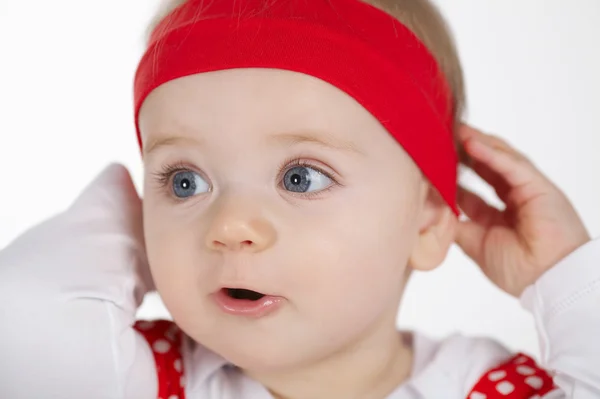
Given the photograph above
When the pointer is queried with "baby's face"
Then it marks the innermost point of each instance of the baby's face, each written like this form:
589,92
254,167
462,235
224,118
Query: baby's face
279,183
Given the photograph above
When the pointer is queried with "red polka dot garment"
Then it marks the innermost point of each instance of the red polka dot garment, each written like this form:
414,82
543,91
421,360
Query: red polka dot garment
164,338
517,378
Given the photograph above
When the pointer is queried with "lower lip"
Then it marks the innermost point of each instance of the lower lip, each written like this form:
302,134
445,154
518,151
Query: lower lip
245,307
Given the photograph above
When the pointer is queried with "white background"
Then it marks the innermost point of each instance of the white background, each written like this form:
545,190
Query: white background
532,71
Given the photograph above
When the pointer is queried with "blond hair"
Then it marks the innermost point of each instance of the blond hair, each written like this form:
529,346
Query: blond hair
424,19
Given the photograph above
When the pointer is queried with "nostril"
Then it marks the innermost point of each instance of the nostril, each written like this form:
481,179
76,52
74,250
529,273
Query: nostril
216,244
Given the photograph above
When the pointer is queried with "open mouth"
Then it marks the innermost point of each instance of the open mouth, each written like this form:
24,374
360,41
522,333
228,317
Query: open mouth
240,293
246,303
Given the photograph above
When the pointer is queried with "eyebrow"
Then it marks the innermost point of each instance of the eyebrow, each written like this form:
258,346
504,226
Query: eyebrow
290,139
320,139
170,141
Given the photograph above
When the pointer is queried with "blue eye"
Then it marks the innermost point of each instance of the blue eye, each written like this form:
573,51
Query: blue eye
187,184
303,179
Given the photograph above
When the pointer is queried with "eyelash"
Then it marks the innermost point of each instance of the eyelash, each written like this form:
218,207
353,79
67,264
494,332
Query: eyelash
163,178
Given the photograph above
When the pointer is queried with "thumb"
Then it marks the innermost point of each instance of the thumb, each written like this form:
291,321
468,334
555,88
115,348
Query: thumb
470,238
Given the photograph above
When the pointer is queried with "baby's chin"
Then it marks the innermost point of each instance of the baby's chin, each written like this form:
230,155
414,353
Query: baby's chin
265,359
263,351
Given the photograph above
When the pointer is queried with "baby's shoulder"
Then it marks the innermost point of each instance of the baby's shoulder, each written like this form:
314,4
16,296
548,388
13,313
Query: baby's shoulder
462,359
479,364
472,351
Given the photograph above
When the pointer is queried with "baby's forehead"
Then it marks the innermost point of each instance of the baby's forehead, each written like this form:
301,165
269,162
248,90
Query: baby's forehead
261,85
265,101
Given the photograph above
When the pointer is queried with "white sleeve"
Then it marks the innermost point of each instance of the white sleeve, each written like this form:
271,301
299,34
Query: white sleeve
69,290
565,303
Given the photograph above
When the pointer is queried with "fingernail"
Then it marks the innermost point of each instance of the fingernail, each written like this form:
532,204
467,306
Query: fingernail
476,144
470,133
465,132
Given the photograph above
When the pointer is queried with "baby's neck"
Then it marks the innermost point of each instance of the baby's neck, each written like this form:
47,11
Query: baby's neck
372,368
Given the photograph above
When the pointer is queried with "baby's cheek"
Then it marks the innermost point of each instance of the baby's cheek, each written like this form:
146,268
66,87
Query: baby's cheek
373,278
173,270
357,283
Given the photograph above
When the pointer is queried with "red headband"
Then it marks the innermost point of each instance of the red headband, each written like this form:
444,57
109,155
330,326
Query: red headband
350,44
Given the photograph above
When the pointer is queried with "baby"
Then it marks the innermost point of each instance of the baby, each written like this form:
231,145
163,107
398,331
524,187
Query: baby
300,161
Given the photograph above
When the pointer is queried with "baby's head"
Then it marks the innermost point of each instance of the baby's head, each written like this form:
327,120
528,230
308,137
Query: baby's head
280,183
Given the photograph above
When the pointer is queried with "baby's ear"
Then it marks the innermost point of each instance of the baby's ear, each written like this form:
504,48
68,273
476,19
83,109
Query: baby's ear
437,230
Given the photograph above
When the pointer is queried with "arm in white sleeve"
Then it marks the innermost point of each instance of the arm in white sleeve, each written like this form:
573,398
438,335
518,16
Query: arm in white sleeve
69,290
565,303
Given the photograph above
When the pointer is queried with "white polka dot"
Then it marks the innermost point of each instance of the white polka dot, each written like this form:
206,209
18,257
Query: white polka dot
477,395
525,370
177,365
145,325
173,397
536,397
521,360
505,387
534,382
182,381
161,346
497,375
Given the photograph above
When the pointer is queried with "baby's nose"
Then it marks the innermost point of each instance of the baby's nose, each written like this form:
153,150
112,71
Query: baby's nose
232,231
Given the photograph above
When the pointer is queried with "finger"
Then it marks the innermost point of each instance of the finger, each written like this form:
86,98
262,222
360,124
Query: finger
478,210
470,237
467,132
501,145
500,184
494,179
523,179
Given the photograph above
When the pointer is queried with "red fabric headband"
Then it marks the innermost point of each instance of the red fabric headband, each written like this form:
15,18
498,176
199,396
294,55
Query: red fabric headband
350,44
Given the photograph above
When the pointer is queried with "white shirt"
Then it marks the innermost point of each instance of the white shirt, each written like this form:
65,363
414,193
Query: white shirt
70,288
